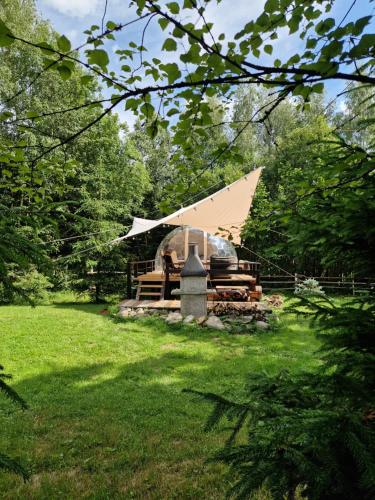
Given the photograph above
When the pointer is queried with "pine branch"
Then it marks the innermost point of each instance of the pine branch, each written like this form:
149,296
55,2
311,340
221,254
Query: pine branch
11,465
11,393
8,391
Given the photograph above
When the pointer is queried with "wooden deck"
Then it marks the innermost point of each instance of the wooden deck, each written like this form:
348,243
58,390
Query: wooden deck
157,285
175,305
156,276
151,304
160,276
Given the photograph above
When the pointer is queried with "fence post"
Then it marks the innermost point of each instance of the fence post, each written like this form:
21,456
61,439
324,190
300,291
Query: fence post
257,273
295,279
353,285
129,281
167,289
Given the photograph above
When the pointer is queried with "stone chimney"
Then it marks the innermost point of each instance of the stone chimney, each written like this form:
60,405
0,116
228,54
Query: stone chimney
193,289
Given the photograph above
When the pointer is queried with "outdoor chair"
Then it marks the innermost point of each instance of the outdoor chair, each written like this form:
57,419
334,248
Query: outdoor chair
169,267
222,266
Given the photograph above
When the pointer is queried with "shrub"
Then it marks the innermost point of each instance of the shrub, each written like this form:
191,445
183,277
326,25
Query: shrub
309,288
27,287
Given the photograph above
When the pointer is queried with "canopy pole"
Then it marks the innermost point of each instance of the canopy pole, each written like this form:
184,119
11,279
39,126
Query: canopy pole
186,241
205,246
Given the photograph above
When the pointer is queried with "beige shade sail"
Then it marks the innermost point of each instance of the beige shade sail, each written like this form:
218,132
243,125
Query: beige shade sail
223,212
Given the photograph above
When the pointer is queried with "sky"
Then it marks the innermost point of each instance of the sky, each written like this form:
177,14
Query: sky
72,17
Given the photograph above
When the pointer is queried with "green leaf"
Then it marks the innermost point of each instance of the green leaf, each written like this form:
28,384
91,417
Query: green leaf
64,71
364,47
173,111
5,39
311,43
318,88
98,57
323,67
256,42
193,54
302,90
5,115
311,13
147,109
94,105
86,79
263,20
360,25
293,24
116,97
333,49
268,49
325,25
111,25
170,45
172,70
32,114
294,60
46,48
63,44
178,33
271,6
132,103
152,130
163,23
173,7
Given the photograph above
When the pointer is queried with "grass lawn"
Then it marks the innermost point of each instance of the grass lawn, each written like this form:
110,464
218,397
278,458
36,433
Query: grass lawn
107,417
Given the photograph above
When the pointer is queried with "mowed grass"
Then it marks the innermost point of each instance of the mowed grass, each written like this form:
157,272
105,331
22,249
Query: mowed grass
108,418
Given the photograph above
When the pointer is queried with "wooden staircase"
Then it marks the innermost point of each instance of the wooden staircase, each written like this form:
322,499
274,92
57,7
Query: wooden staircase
145,289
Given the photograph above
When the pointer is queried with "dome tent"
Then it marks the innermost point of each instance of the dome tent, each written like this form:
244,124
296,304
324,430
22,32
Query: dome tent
178,240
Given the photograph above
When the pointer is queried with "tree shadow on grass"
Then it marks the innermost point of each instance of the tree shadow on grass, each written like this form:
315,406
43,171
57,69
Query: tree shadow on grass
87,307
125,426
121,420
112,386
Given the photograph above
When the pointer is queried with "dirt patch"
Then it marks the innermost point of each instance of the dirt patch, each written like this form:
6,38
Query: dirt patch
169,347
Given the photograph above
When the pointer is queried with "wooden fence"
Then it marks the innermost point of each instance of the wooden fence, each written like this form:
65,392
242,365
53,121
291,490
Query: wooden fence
331,284
335,284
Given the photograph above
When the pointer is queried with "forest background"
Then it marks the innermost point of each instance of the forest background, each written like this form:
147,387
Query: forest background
58,215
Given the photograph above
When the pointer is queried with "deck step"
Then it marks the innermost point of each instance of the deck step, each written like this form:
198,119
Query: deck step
155,289
151,286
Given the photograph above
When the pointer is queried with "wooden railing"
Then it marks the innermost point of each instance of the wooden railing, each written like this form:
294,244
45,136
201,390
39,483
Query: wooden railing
135,269
142,267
